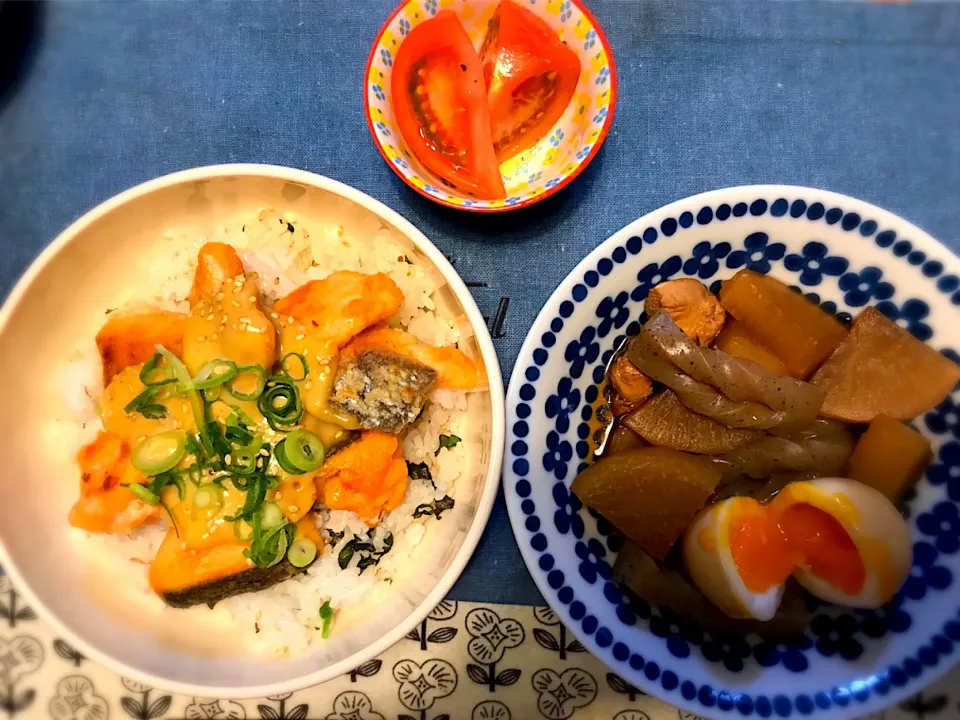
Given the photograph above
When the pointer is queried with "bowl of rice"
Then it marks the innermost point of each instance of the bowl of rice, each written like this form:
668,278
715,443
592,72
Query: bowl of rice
140,248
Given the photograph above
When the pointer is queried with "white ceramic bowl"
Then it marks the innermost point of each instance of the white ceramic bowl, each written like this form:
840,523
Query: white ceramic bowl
58,304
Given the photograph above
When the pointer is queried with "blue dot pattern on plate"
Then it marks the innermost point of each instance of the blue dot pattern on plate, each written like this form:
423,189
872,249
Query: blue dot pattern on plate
569,533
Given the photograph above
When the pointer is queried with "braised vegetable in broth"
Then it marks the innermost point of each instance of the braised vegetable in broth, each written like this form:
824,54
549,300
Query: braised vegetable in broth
735,480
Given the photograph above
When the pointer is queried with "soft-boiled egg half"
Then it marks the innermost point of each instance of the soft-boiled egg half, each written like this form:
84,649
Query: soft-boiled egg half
841,540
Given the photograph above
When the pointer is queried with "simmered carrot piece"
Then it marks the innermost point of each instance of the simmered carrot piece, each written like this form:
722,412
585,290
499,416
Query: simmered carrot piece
889,457
455,371
131,338
735,340
365,477
105,505
790,326
342,305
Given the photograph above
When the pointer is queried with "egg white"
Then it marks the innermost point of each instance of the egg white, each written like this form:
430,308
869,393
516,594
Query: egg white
713,571
876,528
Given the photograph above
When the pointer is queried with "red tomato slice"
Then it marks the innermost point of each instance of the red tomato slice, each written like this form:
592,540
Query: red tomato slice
530,78
440,103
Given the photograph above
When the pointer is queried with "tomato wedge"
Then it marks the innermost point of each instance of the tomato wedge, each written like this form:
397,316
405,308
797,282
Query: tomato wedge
440,104
530,75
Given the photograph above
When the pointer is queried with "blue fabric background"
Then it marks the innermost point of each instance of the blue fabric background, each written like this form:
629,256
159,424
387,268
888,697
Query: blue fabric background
864,99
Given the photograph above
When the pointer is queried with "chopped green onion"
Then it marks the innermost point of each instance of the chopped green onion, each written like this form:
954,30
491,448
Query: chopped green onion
243,531
280,453
143,405
248,459
211,394
270,547
270,515
214,373
302,552
256,488
144,493
152,376
303,449
183,385
280,403
303,365
168,478
207,501
326,614
158,453
260,381
193,473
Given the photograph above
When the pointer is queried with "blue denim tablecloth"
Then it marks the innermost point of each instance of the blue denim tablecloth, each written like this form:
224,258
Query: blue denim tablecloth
864,99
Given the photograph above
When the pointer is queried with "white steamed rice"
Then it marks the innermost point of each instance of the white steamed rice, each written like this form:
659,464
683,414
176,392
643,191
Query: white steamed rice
284,619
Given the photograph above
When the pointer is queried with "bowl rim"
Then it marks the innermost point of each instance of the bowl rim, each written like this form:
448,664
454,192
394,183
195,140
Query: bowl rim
485,500
920,239
529,200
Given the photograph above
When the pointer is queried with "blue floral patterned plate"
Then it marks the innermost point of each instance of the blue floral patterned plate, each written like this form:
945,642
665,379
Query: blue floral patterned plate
844,254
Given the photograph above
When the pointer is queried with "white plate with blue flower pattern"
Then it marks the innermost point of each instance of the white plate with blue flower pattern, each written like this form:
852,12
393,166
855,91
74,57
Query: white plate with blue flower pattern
842,253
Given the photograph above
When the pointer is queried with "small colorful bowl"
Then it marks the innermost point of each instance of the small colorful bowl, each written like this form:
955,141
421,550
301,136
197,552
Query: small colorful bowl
557,158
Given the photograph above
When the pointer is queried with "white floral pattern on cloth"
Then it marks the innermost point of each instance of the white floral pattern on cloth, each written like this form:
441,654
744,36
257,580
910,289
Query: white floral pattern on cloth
41,675
76,699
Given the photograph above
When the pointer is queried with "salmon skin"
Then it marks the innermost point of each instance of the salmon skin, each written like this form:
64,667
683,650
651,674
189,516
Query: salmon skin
383,390
247,581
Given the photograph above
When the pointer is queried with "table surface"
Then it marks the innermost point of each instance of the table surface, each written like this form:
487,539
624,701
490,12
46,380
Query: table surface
859,98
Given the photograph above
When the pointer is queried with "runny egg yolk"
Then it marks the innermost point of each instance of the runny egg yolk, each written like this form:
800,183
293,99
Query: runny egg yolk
758,547
818,541
767,543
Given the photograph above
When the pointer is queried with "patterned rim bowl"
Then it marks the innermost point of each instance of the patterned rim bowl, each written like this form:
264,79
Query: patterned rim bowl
556,159
844,254
58,306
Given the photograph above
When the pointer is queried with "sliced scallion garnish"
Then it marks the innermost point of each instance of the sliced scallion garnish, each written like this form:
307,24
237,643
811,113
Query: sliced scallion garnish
270,515
302,375
302,552
256,488
280,453
280,403
207,501
144,493
246,460
152,375
253,377
326,614
214,373
183,385
303,449
243,531
158,453
143,404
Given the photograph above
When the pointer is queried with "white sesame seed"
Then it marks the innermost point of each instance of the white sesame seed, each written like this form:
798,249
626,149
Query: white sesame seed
307,385
213,337
201,338
300,336
235,303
